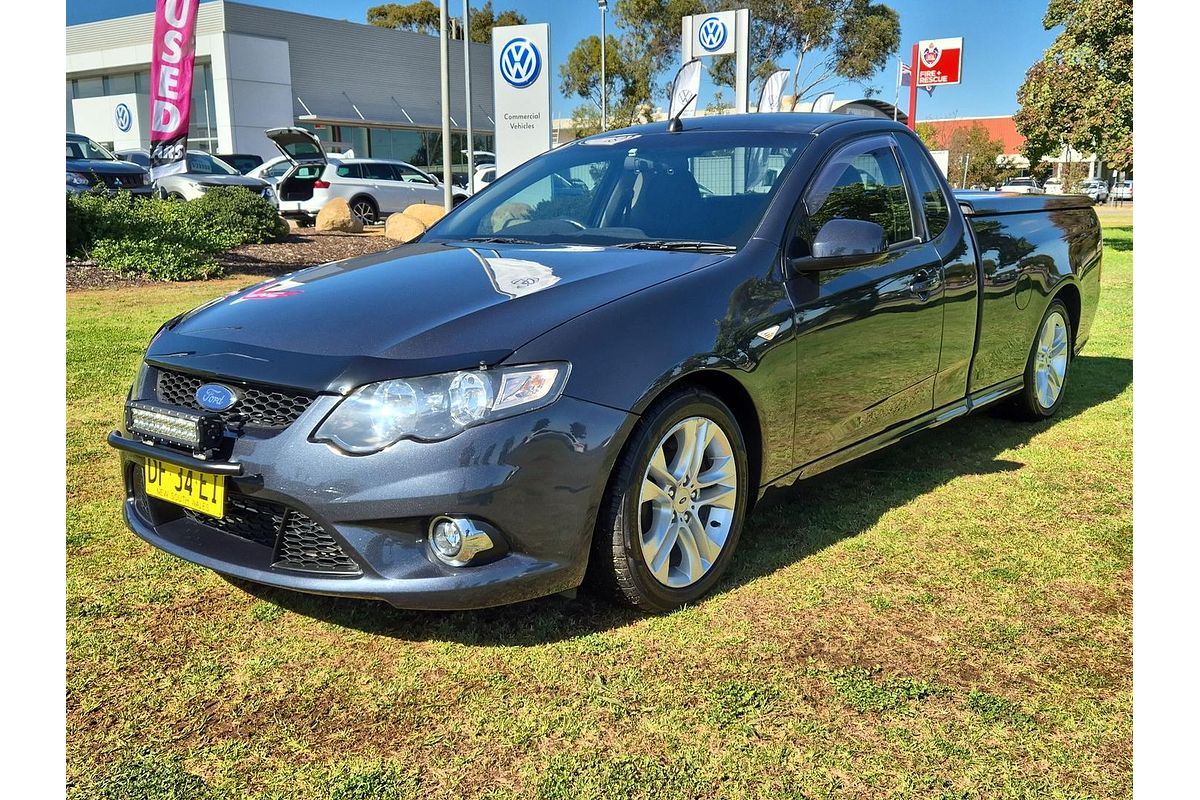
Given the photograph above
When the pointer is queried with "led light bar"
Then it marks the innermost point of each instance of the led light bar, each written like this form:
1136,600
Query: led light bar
176,427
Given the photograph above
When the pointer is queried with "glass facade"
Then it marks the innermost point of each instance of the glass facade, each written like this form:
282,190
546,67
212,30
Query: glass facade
420,147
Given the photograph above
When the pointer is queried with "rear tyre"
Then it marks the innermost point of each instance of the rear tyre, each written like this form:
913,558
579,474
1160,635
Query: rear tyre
1048,365
674,508
365,210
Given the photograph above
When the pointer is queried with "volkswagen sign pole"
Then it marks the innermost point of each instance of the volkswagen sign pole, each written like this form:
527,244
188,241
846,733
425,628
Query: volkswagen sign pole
467,92
521,82
722,33
447,196
603,64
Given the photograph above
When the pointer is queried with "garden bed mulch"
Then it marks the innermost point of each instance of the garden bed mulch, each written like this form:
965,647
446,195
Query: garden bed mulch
296,251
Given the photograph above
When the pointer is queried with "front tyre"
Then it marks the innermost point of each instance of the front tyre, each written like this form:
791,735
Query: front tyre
674,509
1048,365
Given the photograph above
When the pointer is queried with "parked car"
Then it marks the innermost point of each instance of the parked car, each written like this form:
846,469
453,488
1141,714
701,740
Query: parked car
1123,190
1053,186
90,166
1095,189
204,171
1022,186
373,187
547,386
242,162
484,175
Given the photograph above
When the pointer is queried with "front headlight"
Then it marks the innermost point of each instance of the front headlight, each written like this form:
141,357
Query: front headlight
377,415
78,179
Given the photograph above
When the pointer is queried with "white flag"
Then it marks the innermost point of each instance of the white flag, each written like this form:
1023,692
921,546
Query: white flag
772,92
684,90
823,104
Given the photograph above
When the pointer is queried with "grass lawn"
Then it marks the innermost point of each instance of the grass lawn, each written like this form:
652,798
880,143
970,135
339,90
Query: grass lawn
950,618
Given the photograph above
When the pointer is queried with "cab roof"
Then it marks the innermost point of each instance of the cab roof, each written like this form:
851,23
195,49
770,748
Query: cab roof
785,122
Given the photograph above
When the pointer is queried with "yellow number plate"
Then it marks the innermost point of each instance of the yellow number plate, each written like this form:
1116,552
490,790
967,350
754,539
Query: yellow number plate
199,491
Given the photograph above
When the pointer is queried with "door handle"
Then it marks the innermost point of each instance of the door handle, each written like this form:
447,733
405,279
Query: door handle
924,283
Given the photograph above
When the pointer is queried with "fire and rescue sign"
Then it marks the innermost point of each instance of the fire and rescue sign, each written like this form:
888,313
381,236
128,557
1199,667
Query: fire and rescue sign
939,62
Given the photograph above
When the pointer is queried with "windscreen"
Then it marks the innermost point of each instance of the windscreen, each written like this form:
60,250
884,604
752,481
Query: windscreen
204,164
86,148
626,188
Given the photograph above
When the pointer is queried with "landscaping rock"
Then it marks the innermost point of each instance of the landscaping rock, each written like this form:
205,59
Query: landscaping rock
426,213
336,216
403,228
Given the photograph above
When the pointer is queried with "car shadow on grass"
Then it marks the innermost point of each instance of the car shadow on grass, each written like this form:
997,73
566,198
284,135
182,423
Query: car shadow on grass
815,514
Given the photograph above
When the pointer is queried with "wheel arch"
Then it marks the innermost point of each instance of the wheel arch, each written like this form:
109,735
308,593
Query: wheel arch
740,402
1069,294
364,196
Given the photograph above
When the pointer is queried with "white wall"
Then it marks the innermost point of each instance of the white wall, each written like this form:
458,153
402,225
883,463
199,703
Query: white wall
252,78
96,118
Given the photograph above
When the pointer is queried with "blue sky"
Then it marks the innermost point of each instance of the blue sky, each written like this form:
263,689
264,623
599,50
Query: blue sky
1002,40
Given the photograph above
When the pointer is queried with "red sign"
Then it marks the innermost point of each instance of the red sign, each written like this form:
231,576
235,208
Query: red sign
173,54
939,62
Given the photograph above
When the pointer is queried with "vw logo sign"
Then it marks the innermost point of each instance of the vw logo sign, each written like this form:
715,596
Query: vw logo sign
520,63
216,397
124,117
712,34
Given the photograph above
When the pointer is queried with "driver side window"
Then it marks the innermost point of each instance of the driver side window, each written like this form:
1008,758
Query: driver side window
862,182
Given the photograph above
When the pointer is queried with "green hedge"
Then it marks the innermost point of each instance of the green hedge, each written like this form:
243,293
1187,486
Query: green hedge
168,239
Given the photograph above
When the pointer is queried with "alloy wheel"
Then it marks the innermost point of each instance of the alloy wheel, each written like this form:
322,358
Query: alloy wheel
1050,360
364,211
687,502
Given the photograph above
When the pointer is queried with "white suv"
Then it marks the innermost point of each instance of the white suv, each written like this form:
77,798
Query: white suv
374,188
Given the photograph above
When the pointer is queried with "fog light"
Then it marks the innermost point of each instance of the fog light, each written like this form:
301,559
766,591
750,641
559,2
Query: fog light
457,540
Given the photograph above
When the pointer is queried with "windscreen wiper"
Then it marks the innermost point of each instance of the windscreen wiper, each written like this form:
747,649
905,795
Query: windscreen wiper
499,240
671,244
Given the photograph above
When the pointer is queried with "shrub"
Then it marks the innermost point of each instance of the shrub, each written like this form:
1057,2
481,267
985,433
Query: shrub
239,214
167,239
155,258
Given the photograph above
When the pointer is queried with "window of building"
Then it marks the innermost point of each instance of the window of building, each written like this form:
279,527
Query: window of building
355,139
398,145
120,84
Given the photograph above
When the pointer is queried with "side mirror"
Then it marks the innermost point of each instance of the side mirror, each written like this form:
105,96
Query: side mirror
844,243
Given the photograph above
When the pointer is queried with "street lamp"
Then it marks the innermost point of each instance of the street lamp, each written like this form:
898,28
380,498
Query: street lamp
603,64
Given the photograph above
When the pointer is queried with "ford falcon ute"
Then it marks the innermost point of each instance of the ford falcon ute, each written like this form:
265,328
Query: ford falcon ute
592,370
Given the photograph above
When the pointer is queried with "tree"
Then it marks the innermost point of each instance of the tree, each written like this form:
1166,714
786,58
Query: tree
842,40
931,135
981,155
424,16
1081,93
628,90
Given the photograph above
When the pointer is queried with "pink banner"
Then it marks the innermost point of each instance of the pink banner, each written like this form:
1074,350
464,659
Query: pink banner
174,52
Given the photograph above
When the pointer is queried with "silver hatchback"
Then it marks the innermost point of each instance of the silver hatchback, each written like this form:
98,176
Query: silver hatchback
203,173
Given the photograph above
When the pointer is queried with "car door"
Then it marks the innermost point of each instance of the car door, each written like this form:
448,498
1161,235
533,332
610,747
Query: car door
869,336
424,188
379,181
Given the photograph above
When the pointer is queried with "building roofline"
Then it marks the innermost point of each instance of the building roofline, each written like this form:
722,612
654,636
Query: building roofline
966,119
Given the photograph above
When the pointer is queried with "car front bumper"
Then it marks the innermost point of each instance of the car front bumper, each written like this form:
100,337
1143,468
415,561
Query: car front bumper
536,479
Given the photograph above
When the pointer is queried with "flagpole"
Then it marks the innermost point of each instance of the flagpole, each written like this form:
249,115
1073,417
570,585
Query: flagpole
896,105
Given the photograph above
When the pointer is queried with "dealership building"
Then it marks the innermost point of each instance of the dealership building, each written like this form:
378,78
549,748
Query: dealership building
371,90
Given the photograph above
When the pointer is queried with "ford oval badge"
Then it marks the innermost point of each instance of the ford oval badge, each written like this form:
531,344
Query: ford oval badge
216,397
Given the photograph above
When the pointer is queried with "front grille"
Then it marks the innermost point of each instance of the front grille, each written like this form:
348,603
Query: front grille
256,520
130,181
297,542
262,406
